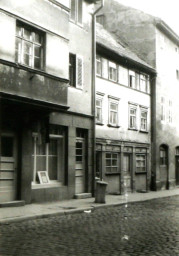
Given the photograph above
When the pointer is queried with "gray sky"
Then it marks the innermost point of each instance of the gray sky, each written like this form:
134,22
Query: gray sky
167,10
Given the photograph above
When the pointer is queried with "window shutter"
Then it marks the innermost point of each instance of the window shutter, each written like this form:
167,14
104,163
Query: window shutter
79,72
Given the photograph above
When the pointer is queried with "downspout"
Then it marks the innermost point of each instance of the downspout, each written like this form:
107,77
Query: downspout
94,91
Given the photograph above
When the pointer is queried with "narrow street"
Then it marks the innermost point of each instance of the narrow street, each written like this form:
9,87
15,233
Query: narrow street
140,229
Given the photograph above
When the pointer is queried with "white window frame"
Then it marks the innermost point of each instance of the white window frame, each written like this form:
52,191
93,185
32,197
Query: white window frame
113,112
143,82
111,160
76,12
145,162
145,122
20,42
112,71
134,126
35,137
98,63
100,108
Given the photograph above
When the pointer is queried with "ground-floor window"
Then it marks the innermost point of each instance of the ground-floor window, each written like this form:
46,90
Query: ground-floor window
140,163
112,162
48,158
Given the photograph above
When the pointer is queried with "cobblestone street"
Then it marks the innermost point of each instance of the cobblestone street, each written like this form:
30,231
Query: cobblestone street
146,228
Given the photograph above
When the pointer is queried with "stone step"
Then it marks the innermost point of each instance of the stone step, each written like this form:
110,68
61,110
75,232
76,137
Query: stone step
12,204
83,195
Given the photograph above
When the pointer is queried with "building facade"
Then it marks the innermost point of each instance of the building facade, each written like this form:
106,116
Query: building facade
123,116
46,126
158,45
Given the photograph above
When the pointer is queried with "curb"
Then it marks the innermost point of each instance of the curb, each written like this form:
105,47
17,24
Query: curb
73,211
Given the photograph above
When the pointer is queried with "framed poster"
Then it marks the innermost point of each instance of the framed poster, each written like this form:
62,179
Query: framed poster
43,177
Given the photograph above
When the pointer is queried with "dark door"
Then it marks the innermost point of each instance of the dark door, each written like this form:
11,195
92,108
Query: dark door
177,170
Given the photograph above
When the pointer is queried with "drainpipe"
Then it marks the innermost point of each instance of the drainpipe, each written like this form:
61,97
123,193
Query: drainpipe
94,91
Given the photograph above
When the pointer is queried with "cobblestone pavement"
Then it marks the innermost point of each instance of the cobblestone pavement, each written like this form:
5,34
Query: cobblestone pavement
139,229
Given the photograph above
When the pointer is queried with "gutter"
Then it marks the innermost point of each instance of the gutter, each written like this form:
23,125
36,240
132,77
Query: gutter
94,91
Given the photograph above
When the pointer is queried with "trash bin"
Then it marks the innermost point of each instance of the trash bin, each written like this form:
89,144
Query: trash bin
100,192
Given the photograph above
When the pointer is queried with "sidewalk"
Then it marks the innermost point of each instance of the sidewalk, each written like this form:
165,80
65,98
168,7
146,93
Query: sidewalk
44,210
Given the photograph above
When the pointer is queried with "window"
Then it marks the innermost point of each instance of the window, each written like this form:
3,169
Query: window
170,112
162,109
76,12
99,110
29,46
113,112
49,157
104,68
123,75
177,74
112,71
100,19
140,163
131,79
143,83
76,71
98,65
132,117
112,162
143,120
163,156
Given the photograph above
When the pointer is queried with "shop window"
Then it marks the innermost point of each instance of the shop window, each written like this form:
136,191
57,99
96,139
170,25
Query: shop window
49,158
163,156
132,117
76,11
29,46
112,71
99,110
76,71
113,112
98,65
112,162
140,163
143,120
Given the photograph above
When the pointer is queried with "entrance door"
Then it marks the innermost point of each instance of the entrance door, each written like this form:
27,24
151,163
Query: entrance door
80,166
7,168
127,172
177,170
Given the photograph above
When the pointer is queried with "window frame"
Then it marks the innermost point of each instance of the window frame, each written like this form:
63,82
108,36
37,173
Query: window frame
100,99
20,44
111,159
116,112
163,109
78,74
132,107
98,63
132,79
143,110
145,165
163,158
76,12
112,71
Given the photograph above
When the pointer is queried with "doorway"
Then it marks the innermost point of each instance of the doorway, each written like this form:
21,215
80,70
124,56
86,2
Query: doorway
127,172
8,167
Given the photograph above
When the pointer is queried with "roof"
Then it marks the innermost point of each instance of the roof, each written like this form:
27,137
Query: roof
109,41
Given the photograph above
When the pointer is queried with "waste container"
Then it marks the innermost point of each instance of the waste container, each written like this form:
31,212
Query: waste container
100,192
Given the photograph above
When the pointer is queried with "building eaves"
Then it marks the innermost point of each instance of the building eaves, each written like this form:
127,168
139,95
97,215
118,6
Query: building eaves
110,43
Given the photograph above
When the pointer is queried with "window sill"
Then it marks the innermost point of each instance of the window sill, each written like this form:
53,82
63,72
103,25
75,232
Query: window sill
112,173
114,126
132,129
76,88
98,123
76,23
140,172
143,131
49,185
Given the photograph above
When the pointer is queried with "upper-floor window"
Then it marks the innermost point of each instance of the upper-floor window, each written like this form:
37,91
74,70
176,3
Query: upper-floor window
170,116
112,71
99,110
123,75
132,79
76,12
98,65
113,112
29,46
143,83
163,109
76,71
100,19
143,120
132,117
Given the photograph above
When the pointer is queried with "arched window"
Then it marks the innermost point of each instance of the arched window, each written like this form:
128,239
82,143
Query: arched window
163,155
